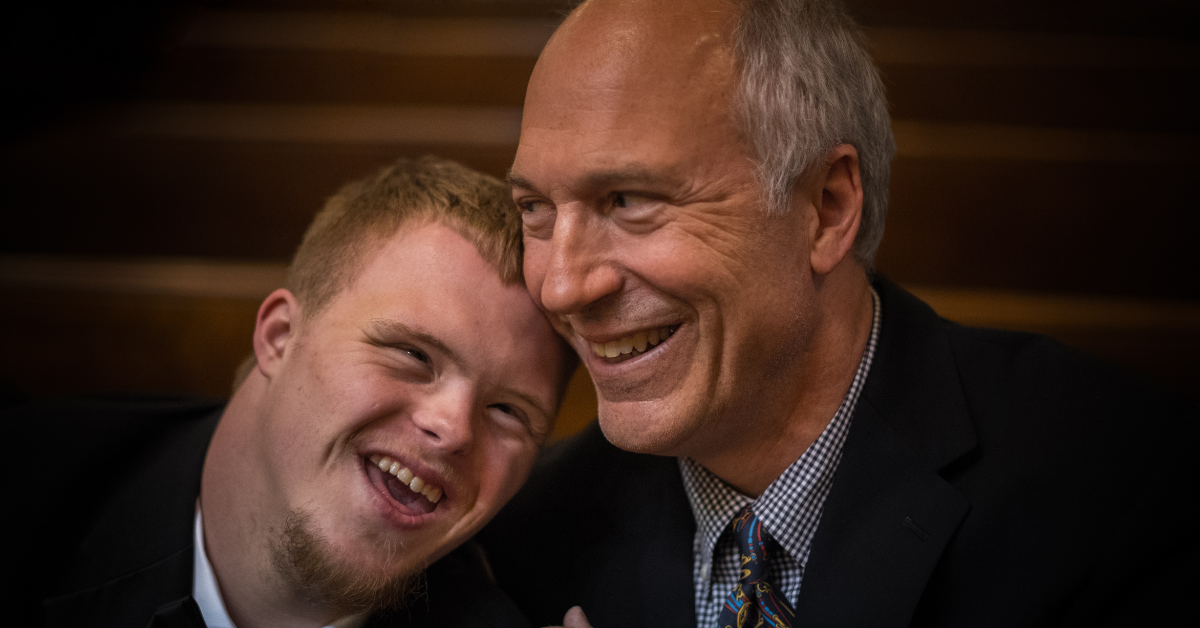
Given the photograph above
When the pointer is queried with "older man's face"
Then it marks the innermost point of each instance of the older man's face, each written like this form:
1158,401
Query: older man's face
644,234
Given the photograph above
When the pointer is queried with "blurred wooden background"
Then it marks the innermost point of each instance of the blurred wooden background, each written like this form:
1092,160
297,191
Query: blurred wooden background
159,166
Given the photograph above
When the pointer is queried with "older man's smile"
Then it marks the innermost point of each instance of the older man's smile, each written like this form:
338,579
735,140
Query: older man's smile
631,345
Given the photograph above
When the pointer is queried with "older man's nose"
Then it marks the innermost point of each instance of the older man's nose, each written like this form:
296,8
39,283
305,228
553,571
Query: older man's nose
578,270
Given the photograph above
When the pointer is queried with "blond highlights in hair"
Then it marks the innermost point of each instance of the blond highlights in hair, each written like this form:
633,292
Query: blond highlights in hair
360,218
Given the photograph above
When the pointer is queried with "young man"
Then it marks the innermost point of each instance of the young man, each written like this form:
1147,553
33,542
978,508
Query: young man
401,386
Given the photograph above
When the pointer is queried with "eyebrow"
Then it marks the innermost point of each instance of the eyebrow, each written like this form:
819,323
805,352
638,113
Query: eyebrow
517,181
389,329
631,174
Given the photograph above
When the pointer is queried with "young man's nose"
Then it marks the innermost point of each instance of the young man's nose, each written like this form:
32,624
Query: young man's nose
447,421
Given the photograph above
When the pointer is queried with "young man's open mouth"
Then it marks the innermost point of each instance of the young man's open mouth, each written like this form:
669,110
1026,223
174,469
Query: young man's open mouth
412,494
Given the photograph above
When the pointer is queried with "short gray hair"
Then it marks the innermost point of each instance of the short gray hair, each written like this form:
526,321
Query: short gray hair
807,85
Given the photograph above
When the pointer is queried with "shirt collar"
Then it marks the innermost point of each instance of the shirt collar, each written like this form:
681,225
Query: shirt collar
208,595
789,497
204,583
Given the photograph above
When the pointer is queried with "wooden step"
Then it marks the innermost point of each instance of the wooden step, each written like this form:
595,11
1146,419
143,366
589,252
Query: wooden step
971,205
931,74
1149,18
1165,18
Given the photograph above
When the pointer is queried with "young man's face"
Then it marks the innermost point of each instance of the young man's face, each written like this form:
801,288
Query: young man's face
426,365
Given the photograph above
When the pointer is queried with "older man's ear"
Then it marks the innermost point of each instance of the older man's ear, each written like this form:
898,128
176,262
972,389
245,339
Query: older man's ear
836,195
574,619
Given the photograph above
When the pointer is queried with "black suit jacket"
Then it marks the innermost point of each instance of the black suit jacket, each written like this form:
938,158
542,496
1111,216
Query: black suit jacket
988,479
107,493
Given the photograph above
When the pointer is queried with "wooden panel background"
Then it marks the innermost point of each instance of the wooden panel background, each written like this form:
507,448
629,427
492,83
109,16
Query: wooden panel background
159,171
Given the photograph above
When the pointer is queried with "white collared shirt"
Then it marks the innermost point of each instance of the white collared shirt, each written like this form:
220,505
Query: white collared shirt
208,595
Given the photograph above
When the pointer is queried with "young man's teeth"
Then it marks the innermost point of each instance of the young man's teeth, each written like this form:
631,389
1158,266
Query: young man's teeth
638,342
416,484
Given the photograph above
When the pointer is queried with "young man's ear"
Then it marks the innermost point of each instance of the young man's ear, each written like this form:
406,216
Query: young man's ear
274,329
839,209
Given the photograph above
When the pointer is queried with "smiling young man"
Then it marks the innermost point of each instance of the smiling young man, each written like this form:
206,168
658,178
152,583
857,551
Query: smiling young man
402,384
785,438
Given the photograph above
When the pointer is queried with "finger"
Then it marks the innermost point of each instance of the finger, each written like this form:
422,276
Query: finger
576,619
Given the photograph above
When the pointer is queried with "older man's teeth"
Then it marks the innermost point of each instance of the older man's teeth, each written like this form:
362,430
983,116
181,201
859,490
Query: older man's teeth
638,342
406,477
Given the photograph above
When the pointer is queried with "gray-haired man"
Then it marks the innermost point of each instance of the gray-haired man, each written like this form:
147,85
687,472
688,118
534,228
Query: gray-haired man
704,185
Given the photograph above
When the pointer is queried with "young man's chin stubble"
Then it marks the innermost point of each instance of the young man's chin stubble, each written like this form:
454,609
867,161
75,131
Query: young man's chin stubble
306,563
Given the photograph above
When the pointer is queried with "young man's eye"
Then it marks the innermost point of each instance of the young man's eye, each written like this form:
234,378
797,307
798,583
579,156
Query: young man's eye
417,354
514,415
510,410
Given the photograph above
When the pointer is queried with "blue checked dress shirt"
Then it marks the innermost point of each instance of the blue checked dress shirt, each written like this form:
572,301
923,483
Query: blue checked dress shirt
790,508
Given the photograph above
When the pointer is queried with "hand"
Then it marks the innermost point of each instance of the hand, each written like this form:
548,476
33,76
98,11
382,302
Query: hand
574,619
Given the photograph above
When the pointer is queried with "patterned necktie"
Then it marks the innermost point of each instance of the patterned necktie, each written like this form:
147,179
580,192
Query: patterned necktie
754,603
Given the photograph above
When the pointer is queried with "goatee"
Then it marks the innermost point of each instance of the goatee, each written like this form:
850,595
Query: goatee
309,565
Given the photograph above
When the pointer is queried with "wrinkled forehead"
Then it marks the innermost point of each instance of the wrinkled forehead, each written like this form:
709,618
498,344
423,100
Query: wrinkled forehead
647,47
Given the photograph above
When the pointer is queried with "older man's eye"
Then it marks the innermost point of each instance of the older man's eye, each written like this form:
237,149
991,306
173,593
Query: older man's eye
537,218
627,200
623,200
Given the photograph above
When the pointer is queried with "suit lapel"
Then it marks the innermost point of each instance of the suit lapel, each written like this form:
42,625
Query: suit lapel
639,570
889,514
885,524
182,613
665,571
137,560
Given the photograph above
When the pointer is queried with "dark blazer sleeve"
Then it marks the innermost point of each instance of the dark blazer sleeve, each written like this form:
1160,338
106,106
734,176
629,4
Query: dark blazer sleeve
460,592
65,462
601,528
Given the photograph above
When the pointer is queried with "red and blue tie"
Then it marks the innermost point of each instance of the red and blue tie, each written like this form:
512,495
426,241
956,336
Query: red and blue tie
754,603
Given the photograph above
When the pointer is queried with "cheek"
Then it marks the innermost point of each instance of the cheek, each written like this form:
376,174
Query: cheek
536,252
693,259
324,412
504,466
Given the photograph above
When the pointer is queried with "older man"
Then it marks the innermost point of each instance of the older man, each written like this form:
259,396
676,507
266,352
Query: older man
401,387
703,185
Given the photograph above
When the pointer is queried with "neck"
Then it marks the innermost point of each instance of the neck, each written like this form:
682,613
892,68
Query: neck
773,431
238,525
